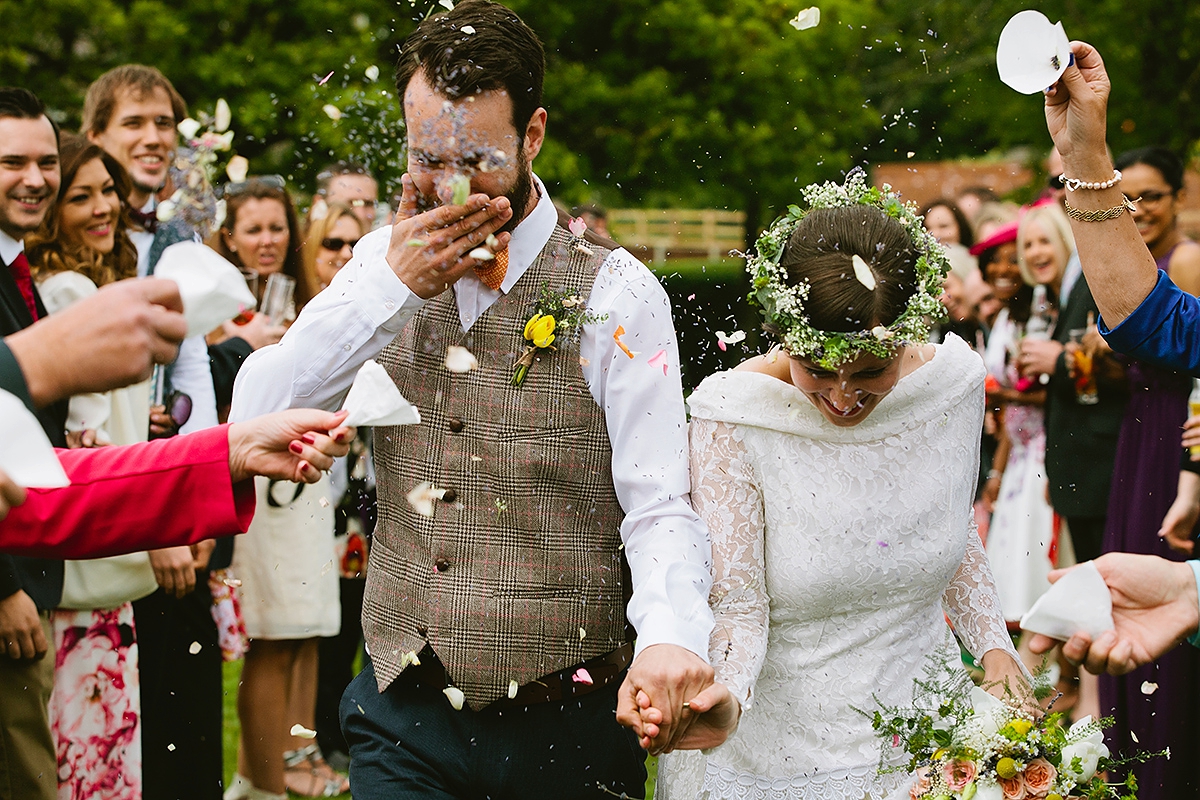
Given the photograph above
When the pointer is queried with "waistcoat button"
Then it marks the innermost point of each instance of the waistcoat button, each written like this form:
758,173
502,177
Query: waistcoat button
449,496
455,425
442,565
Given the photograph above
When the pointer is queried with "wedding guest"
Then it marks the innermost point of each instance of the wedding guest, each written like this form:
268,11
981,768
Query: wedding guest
352,184
1142,311
1022,525
948,223
993,216
261,234
81,245
972,200
329,243
437,588
132,112
29,588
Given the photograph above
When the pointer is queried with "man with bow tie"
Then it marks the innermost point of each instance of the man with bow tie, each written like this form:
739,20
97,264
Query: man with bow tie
500,625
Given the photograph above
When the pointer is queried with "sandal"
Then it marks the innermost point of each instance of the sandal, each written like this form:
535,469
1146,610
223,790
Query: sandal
307,774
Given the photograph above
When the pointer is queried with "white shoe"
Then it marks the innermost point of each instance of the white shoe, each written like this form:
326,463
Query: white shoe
242,789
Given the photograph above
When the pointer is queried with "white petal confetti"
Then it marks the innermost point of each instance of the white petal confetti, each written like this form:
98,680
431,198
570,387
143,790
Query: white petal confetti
492,242
577,226
195,648
222,116
1135,739
481,254
421,497
455,696
446,4
303,732
460,359
188,128
171,748
409,658
1149,688
237,169
372,73
1032,53
863,272
512,689
808,18
582,634
467,29
724,339
332,111
460,189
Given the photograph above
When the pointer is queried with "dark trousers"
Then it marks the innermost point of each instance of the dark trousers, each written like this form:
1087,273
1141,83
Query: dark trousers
336,668
1087,536
181,695
409,742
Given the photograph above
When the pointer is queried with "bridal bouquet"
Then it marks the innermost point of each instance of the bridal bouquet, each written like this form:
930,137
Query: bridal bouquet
965,744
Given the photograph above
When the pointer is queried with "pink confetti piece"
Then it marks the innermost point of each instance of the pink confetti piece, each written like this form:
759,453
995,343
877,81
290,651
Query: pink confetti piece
577,226
326,78
691,297
659,359
582,676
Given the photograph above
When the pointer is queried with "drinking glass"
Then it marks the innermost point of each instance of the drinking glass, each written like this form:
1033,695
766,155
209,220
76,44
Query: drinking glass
277,297
1085,374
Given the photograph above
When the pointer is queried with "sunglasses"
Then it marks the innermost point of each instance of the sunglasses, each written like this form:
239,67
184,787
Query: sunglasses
337,244
234,189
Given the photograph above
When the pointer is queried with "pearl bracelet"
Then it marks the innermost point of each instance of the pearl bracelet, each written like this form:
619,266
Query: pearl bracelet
1074,184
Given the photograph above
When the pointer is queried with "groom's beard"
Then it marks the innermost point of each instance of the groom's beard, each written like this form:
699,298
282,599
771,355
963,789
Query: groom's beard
519,194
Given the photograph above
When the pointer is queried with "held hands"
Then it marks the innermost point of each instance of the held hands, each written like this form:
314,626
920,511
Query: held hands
1154,609
294,445
428,250
665,676
715,716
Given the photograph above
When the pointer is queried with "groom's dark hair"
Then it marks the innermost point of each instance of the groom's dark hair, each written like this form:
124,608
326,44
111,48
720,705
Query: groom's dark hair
820,252
478,46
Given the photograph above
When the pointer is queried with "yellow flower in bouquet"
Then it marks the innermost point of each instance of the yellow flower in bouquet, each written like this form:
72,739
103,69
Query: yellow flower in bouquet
540,330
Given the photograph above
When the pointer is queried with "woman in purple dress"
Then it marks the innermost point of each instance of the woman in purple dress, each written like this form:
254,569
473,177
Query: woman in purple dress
1158,703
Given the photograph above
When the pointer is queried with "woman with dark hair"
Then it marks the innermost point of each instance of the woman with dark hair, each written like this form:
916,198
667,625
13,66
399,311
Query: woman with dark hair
947,223
261,234
1145,480
84,244
836,475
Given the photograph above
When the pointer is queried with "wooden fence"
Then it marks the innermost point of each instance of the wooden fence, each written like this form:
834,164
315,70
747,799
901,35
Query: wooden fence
679,232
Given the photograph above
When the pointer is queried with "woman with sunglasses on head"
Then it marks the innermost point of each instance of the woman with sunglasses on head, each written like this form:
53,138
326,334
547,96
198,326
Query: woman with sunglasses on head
82,245
289,596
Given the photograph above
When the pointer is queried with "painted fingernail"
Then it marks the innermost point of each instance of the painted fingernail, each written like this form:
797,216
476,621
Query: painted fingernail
296,448
305,466
340,437
1071,60
308,438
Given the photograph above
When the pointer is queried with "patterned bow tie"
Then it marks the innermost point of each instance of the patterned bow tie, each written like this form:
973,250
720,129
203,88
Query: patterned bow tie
492,272
147,221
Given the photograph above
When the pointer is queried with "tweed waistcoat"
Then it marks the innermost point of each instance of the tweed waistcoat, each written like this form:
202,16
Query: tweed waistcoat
518,573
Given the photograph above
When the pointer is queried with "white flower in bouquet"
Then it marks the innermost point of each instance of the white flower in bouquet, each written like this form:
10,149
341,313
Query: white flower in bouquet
985,790
990,712
1085,741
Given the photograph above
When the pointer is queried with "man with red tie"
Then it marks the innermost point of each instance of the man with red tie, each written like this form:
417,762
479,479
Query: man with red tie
29,588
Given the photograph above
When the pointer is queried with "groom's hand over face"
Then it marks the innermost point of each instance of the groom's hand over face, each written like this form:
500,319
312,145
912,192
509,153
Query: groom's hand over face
429,250
669,676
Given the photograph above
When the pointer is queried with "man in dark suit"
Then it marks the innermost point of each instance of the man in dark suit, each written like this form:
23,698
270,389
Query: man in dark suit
29,588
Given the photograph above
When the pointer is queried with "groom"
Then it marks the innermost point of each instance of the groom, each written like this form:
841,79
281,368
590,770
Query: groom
500,622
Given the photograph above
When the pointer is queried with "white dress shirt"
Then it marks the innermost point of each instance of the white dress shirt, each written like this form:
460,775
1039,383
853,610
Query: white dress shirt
366,305
192,371
10,248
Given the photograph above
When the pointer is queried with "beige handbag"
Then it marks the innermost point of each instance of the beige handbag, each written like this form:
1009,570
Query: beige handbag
102,583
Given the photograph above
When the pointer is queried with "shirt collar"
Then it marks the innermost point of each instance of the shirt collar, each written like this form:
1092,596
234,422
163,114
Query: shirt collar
530,236
10,247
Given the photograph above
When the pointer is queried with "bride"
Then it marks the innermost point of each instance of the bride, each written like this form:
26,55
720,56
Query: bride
836,476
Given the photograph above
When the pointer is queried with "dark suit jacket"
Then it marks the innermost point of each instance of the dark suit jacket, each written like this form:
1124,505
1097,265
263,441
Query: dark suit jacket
40,578
1081,441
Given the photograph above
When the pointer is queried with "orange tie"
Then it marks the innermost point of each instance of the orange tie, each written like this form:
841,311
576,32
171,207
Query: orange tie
492,272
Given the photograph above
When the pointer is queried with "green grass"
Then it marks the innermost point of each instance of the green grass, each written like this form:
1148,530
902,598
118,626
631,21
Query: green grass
233,673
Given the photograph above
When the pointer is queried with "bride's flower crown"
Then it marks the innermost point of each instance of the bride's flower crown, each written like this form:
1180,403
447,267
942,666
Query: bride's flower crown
782,306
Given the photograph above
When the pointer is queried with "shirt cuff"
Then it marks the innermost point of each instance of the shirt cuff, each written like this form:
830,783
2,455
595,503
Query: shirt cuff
1194,639
691,636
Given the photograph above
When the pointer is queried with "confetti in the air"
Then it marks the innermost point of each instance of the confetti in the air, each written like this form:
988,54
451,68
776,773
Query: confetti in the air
325,80
195,648
237,169
421,497
863,272
582,634
481,254
303,732
659,359
617,334
460,359
512,689
332,111
724,339
455,696
808,18
582,676
467,29
1149,688
372,73
460,189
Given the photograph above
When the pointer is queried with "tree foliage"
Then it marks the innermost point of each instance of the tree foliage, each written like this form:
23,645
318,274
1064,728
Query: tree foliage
702,103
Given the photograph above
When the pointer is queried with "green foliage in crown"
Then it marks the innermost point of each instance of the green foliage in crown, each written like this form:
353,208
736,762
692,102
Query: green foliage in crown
783,306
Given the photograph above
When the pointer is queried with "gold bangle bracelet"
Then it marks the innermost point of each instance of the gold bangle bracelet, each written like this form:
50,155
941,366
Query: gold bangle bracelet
1103,215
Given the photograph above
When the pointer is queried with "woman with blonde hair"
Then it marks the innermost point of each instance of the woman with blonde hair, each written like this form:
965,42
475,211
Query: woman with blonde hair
329,242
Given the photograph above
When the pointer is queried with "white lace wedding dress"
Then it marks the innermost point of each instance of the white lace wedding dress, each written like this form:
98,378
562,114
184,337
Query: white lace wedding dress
835,553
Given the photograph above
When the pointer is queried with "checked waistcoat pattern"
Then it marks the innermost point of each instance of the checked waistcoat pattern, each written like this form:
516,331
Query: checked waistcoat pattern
520,574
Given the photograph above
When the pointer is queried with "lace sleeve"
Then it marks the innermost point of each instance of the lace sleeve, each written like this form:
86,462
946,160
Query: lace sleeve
727,498
972,604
